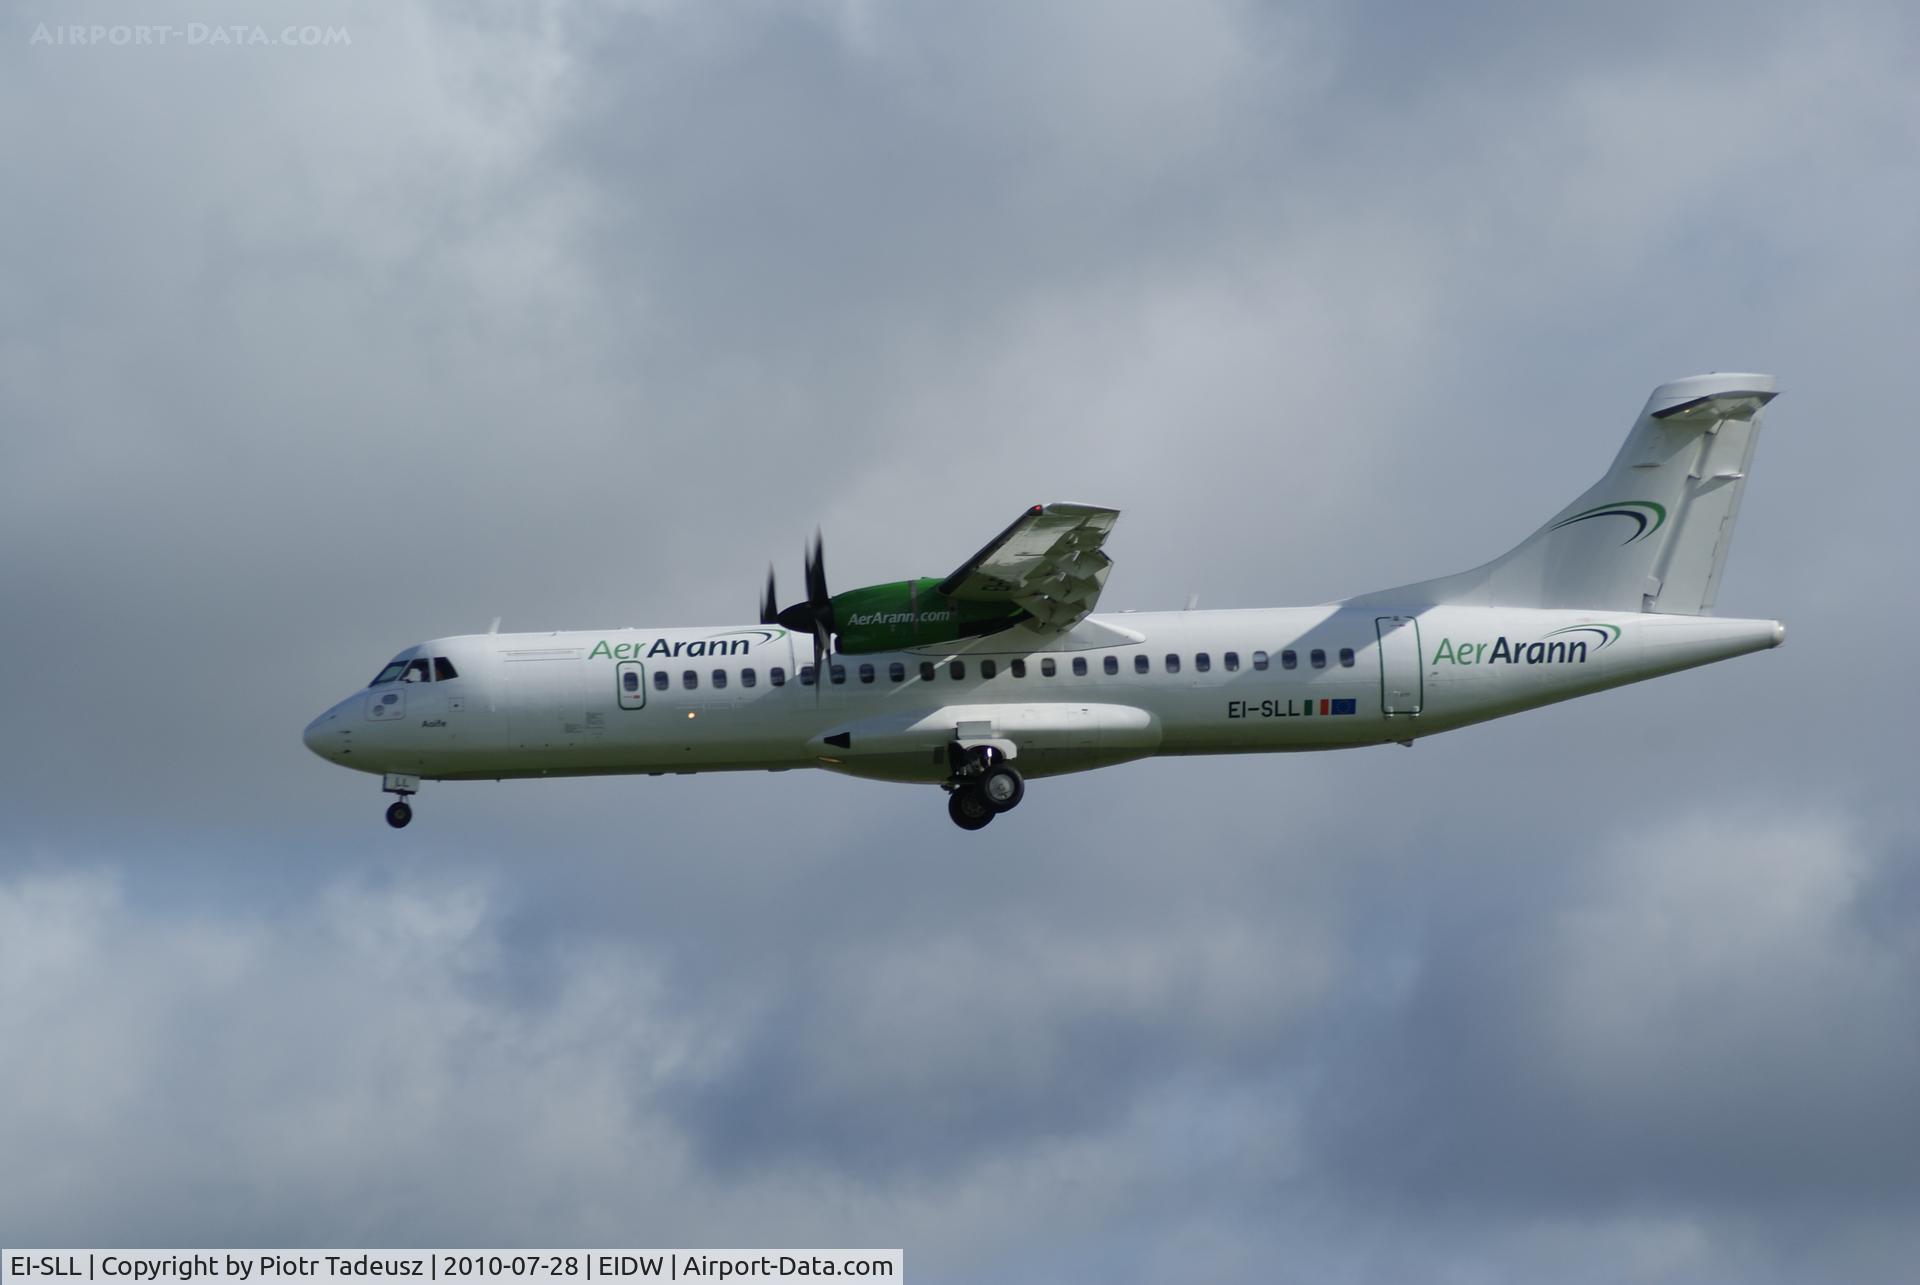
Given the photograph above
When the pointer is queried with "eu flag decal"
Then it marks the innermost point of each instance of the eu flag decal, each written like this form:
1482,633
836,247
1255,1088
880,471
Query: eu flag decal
1347,705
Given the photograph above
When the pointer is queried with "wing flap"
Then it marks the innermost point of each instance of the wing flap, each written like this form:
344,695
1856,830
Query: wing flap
1048,562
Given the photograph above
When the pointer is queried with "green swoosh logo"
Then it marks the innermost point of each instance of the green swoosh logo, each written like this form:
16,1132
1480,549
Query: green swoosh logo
1646,515
1608,633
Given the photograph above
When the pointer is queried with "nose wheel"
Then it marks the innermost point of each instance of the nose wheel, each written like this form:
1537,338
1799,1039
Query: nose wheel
404,784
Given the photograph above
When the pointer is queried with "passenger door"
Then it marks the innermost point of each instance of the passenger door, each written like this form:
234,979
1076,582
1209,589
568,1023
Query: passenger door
1400,681
630,684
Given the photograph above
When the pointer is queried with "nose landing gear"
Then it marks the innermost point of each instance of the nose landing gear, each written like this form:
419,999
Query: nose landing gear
403,784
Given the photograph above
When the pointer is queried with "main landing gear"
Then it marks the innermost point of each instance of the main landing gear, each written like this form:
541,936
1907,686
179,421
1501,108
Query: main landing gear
984,785
969,807
400,811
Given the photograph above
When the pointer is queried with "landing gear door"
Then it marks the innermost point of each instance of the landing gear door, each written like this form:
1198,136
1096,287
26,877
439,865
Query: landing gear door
1400,685
631,679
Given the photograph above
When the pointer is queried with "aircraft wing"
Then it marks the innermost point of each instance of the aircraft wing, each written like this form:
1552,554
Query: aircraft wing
1048,562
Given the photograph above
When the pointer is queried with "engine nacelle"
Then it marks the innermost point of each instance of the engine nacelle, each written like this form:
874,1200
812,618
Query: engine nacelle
913,613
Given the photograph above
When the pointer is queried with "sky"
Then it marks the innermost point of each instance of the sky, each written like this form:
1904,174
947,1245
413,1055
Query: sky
578,314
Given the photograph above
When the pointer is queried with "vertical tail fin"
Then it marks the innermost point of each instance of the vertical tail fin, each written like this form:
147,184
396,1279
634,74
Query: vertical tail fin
1651,535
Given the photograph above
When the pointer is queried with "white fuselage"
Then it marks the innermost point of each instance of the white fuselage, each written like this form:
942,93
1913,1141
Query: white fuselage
694,700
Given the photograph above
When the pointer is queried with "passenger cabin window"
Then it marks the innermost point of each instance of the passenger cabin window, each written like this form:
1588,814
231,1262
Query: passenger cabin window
1346,658
1318,657
806,675
838,673
630,683
748,678
1230,661
1079,666
1018,668
896,672
1111,664
926,671
690,680
1173,663
957,670
777,676
1202,662
1289,659
1047,667
988,669
416,672
1141,664
1259,660
719,678
443,669
866,671
660,680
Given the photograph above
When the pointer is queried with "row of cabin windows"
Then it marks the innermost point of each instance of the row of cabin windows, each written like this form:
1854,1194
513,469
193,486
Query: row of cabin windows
957,669
776,677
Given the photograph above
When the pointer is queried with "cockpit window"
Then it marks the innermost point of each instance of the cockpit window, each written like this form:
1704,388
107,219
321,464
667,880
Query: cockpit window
387,675
416,672
443,669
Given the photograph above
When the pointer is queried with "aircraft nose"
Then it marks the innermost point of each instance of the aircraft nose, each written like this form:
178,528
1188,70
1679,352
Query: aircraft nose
316,735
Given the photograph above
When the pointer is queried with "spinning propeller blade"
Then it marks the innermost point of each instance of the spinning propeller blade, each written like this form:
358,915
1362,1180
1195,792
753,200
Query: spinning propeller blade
814,616
770,605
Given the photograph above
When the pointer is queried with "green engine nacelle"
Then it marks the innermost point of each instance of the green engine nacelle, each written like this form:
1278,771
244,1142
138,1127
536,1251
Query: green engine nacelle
912,613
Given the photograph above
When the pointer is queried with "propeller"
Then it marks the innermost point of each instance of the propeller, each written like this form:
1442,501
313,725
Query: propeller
770,605
814,616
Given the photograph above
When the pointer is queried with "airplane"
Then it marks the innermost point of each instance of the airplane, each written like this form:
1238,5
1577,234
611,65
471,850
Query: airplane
1001,672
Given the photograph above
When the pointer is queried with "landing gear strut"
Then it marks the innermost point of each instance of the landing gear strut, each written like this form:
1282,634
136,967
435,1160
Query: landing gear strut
984,785
403,784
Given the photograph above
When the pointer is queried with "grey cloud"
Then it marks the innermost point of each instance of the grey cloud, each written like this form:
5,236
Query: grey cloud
923,1057
580,318
1628,1071
1703,1018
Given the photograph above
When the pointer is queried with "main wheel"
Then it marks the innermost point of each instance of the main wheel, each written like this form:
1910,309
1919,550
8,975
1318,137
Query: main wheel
1003,788
399,814
969,808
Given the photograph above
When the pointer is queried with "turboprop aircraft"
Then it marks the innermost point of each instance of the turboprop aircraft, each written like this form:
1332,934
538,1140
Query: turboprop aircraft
1002,672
